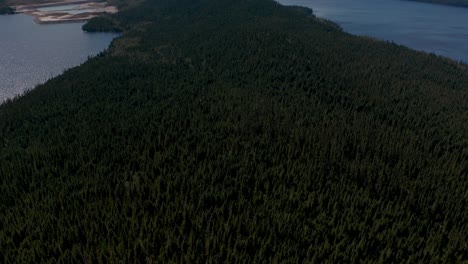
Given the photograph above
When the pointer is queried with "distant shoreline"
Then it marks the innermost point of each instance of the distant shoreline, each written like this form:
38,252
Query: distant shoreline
59,16
455,3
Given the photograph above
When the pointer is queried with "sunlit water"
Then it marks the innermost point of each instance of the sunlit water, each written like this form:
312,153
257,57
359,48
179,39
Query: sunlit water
438,29
31,53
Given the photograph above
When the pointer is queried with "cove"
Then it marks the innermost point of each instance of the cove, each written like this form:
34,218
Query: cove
30,53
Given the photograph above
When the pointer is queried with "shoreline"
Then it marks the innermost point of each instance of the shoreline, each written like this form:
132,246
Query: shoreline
436,50
238,133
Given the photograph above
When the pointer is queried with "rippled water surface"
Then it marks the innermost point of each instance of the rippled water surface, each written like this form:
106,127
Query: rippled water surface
31,53
439,29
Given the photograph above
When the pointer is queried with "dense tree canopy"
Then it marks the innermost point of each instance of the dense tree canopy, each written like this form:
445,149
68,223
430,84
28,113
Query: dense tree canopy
102,23
219,131
5,8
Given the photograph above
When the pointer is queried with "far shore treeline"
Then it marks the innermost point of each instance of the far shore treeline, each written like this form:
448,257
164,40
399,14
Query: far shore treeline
238,131
5,9
461,3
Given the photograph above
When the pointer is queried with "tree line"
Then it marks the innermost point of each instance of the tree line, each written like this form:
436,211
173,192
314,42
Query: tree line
238,131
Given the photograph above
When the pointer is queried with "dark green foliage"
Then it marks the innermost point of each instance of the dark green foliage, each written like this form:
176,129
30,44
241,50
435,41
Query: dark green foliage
102,24
222,131
5,8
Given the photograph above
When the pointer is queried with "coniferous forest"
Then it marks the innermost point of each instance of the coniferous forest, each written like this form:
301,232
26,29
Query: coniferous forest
5,9
238,131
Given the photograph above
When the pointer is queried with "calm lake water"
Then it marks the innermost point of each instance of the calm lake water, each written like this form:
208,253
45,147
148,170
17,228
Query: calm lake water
438,29
30,53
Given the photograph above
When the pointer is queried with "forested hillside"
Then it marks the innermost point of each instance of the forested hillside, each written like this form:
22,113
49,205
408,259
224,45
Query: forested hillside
238,131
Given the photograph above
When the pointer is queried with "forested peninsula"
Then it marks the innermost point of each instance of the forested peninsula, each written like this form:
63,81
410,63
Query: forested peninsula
238,131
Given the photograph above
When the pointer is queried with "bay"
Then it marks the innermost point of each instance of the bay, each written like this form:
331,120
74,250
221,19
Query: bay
31,53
